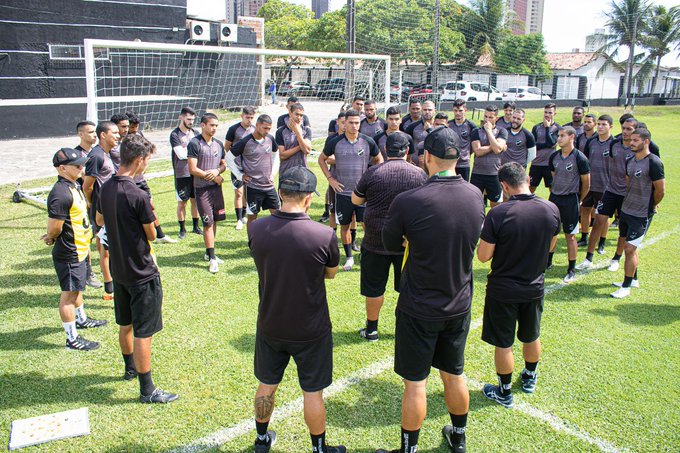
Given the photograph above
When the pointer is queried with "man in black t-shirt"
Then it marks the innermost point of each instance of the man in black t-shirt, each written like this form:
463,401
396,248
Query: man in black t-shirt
234,135
545,135
377,188
372,124
126,210
414,114
293,255
435,297
517,236
69,231
357,105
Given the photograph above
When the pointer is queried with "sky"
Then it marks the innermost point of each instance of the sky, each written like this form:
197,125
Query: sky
565,24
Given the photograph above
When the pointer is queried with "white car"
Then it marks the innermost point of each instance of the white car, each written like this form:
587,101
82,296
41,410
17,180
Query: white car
524,93
470,91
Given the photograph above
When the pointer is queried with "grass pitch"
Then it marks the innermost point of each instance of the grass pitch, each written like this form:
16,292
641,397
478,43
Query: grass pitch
608,374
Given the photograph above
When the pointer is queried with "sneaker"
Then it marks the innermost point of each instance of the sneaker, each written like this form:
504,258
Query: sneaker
107,296
529,381
585,264
214,267
182,234
634,284
93,281
459,445
494,393
90,323
336,449
324,218
165,240
129,374
219,261
600,250
582,243
570,277
613,266
198,231
158,396
81,344
355,248
368,336
264,448
620,293
239,225
245,219
349,264
615,223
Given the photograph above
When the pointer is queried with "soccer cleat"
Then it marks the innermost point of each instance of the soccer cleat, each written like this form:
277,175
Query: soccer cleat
600,249
585,264
570,277
349,264
264,448
165,240
239,225
529,381
107,296
90,323
336,449
81,344
494,393
634,284
324,218
621,293
198,231
93,282
456,445
582,243
207,258
158,396
368,336
214,267
613,266
182,234
129,374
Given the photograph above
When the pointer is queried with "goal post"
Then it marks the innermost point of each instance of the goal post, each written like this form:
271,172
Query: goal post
155,80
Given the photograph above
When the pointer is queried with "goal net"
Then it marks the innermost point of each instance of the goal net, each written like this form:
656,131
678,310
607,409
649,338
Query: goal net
155,80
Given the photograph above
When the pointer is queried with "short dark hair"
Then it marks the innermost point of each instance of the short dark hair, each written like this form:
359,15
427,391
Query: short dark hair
459,102
441,116
643,133
104,127
513,174
187,111
569,130
606,118
207,117
134,146
550,105
359,97
591,115
248,111
369,102
118,117
509,105
413,101
292,194
578,107
491,108
624,117
266,119
341,115
519,110
134,119
293,99
641,124
83,124
632,120
296,106
352,112
392,111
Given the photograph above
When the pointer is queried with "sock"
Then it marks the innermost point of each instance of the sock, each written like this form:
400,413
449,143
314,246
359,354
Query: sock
589,256
243,212
80,313
459,422
239,213
108,287
409,441
635,274
318,442
550,258
505,383
70,329
159,232
601,243
617,257
572,265
354,235
146,386
129,362
195,221
182,225
326,210
584,236
210,252
371,326
262,437
626,282
530,366
348,250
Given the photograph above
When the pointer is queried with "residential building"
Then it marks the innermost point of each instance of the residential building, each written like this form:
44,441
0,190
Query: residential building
529,15
320,7
595,41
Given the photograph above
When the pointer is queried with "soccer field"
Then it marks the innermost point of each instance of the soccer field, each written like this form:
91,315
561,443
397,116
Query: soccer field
607,377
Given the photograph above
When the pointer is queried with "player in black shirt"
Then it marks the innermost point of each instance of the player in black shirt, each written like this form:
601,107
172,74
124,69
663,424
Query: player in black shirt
414,114
283,119
517,236
577,120
545,135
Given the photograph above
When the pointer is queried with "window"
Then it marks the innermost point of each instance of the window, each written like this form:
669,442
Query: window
74,52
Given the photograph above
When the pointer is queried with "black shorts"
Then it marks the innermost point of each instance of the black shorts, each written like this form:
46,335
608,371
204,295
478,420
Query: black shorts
235,182
609,204
375,271
464,172
210,204
489,184
592,199
258,199
538,172
314,360
142,184
500,319
344,209
139,305
633,228
72,276
420,345
569,211
184,187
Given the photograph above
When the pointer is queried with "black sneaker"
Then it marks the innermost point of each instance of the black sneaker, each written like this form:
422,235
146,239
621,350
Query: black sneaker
494,393
264,448
368,336
456,442
158,396
338,449
93,281
81,344
90,323
198,231
129,374
182,234
582,242
529,381
324,218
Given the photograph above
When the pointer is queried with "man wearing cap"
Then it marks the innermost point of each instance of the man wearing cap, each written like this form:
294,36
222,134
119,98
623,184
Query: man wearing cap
69,231
377,188
293,320
433,310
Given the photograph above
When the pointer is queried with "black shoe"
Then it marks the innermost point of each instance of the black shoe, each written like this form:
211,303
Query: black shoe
338,449
130,374
457,445
90,323
324,218
264,448
158,396
182,234
81,344
93,282
198,231
368,336
582,242
494,393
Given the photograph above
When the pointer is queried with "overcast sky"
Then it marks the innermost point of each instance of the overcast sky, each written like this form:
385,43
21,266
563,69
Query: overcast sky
565,24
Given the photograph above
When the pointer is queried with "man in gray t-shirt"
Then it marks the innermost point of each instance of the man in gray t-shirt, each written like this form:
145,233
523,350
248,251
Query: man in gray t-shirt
184,184
294,140
487,143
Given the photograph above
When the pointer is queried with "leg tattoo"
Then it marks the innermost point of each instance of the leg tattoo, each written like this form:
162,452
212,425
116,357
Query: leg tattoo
264,406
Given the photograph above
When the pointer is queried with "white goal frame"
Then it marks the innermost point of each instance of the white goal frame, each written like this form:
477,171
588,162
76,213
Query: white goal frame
91,44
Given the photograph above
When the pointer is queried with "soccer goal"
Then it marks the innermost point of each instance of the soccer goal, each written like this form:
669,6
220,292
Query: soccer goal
155,80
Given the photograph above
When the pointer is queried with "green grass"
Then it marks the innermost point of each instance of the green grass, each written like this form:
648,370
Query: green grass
609,367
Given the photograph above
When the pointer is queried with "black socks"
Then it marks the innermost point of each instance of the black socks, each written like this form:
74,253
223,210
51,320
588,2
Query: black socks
210,252
409,441
159,232
146,386
108,287
182,226
348,250
371,326
319,442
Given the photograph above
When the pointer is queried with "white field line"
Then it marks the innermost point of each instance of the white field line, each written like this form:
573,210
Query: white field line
245,426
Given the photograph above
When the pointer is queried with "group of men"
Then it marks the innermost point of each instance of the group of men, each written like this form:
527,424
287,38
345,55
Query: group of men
406,180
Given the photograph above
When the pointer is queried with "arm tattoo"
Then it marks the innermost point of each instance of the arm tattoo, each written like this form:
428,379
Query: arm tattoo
264,406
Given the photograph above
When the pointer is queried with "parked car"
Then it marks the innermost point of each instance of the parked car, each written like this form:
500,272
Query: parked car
406,90
470,91
334,89
300,89
524,93
421,91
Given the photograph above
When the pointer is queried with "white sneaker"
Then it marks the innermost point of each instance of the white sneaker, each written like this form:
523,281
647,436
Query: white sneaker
349,264
165,240
620,293
585,264
239,225
207,258
570,277
613,266
634,284
245,220
214,266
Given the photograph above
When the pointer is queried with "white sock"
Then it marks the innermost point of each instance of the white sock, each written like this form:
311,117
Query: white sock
70,329
80,313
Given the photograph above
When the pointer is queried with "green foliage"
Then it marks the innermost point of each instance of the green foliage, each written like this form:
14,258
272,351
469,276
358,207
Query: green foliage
522,54
328,33
286,26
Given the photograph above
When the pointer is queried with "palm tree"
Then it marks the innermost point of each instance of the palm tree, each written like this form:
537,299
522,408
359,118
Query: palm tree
489,22
663,32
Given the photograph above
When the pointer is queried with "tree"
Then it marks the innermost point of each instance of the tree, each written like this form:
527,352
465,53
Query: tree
489,23
328,33
522,54
662,33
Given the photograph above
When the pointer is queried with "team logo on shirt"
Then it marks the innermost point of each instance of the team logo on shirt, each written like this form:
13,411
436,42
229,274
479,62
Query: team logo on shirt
606,153
464,134
518,142
569,166
638,173
378,130
360,152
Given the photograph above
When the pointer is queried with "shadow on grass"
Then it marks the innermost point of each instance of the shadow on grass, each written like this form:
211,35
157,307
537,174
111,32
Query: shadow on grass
20,299
18,280
29,339
642,314
352,337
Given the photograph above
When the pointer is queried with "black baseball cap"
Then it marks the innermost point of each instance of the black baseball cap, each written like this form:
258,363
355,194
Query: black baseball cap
298,179
443,143
68,156
396,144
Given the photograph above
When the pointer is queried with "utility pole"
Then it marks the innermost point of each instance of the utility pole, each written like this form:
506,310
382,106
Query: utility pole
351,48
435,53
